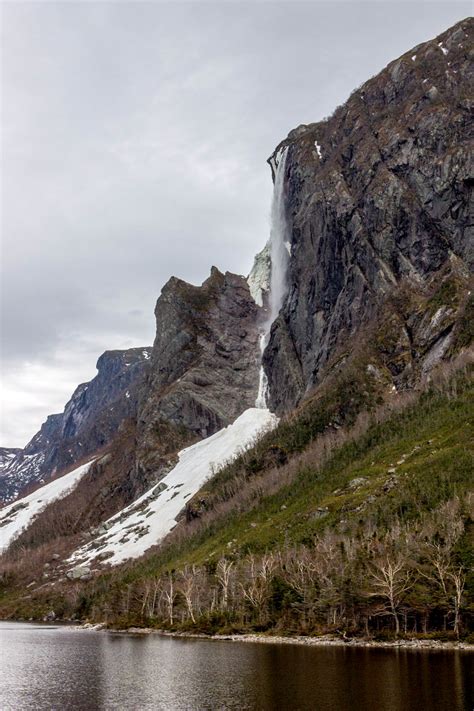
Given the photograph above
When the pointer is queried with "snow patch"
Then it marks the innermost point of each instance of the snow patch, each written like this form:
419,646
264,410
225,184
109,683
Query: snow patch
443,49
151,517
413,58
20,514
318,149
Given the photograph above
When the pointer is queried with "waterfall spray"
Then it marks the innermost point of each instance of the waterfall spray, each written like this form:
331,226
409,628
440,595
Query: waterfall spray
279,254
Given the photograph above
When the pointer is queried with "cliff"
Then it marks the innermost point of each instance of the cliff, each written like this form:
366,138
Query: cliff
378,203
204,365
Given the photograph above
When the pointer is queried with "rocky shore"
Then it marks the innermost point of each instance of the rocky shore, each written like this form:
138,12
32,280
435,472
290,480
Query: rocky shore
321,641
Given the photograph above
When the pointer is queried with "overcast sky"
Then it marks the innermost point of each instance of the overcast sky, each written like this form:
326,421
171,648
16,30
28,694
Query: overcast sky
134,141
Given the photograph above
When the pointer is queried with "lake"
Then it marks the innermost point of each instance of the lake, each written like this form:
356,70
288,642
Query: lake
56,667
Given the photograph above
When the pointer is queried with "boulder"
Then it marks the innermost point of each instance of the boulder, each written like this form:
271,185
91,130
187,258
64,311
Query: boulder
79,573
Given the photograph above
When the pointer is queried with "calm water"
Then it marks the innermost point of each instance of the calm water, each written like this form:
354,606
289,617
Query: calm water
47,667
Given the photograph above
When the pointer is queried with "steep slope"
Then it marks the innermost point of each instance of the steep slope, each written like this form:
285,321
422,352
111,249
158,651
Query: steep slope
16,517
145,405
378,200
89,421
151,517
298,541
7,456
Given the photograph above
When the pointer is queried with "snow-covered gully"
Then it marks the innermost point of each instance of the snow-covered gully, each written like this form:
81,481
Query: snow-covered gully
16,517
146,521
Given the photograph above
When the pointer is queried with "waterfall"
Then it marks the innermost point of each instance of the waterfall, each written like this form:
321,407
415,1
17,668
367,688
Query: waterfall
279,253
261,401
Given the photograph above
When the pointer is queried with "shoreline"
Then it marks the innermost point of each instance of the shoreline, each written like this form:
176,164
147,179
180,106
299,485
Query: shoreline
322,641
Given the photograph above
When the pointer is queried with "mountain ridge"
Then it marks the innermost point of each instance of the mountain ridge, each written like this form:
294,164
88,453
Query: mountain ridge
91,417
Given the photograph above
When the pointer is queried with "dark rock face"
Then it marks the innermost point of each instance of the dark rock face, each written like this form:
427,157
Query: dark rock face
378,196
204,366
89,422
7,454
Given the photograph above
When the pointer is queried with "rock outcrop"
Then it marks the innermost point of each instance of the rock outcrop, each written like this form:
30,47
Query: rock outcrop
89,422
6,455
204,366
259,277
379,198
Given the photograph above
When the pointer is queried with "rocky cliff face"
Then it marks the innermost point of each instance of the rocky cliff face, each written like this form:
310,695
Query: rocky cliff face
7,454
379,197
89,422
204,365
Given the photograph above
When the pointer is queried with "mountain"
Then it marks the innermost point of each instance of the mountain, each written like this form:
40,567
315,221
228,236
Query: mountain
378,201
89,421
292,436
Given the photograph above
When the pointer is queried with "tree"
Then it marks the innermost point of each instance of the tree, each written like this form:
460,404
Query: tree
256,590
187,586
168,593
391,580
458,579
223,574
442,534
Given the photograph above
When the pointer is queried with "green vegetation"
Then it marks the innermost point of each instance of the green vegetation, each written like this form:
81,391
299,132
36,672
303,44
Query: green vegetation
434,437
464,329
365,529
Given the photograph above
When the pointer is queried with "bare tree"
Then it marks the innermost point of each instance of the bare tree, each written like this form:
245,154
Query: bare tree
391,579
223,574
442,534
168,593
256,588
187,586
458,579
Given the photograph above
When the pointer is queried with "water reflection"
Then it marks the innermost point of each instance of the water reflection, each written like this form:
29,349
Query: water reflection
59,668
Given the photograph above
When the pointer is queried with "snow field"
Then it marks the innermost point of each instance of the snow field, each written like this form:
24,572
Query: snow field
150,518
17,516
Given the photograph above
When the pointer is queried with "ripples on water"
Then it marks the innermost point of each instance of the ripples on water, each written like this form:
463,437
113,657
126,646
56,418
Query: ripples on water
59,668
